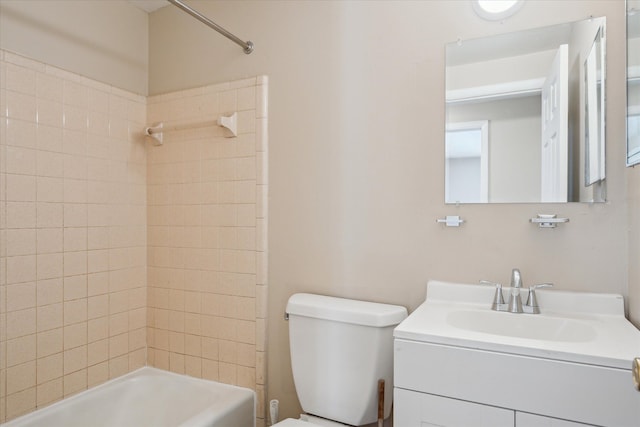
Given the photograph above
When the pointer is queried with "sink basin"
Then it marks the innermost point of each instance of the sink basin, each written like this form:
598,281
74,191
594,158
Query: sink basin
575,327
534,327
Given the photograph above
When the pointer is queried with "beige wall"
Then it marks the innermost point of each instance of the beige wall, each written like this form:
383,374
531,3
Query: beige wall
357,124
356,153
104,40
72,234
207,235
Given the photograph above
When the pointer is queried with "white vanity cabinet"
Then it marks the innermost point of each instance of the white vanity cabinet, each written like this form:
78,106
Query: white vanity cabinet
452,386
459,364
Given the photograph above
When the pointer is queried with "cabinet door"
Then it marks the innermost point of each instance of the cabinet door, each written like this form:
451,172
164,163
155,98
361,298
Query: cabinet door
414,409
531,420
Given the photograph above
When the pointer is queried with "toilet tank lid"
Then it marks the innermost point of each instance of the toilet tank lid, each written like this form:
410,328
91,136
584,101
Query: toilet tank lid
346,310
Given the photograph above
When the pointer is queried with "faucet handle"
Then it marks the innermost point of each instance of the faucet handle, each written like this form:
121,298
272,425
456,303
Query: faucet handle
532,301
498,300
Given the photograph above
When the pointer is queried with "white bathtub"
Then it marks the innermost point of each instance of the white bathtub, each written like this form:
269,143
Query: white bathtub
149,397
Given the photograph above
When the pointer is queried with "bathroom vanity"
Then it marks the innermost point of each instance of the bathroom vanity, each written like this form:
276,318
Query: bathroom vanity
458,363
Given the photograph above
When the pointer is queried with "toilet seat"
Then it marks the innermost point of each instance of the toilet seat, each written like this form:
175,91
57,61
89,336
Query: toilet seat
291,422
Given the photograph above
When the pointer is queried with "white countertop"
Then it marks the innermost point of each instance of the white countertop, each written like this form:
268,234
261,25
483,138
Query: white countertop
611,341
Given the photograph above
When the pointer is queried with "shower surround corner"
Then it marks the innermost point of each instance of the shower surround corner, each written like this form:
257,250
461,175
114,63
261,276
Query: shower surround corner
115,253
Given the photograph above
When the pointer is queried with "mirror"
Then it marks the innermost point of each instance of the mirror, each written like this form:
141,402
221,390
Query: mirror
525,116
633,82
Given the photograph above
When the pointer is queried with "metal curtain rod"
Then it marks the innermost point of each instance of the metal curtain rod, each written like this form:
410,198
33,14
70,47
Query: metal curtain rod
247,46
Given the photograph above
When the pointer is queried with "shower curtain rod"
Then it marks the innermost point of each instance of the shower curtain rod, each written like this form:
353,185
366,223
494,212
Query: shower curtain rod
247,46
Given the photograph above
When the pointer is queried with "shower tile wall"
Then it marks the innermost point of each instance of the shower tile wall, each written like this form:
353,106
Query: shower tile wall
72,234
207,235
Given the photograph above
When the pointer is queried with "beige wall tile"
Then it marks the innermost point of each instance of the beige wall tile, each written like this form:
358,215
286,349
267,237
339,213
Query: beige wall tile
118,366
137,340
49,291
75,311
50,215
49,368
21,269
97,374
75,335
75,382
20,242
75,287
21,402
193,366
98,329
21,377
210,370
49,392
49,266
75,359
20,296
118,323
227,373
49,317
20,323
49,342
97,283
98,352
118,345
49,240
20,350
137,359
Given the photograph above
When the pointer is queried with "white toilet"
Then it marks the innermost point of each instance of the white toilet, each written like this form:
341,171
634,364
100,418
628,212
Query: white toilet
340,348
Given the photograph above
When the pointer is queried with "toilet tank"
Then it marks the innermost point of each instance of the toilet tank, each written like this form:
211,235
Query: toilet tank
340,348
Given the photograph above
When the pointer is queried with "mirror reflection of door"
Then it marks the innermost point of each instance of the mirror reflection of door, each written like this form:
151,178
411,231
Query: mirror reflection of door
467,162
555,120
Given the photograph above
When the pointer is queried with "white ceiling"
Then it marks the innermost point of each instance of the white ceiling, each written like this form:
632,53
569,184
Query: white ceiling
149,5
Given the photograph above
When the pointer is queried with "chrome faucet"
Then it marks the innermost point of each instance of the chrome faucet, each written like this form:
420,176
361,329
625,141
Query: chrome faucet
515,303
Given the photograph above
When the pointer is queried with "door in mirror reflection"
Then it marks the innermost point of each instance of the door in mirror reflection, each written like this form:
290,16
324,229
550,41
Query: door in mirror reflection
555,103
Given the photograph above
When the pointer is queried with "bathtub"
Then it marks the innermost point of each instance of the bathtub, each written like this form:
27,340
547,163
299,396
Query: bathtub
149,397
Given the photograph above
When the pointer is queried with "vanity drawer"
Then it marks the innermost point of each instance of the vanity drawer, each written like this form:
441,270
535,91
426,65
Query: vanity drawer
571,391
413,409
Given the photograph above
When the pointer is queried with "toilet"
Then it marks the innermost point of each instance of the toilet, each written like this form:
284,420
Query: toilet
340,348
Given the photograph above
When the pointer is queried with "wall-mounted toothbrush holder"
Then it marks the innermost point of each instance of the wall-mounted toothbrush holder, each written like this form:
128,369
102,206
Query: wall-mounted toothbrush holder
548,220
155,132
451,221
231,123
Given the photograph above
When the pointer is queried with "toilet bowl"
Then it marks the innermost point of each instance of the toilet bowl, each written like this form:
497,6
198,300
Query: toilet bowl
340,349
